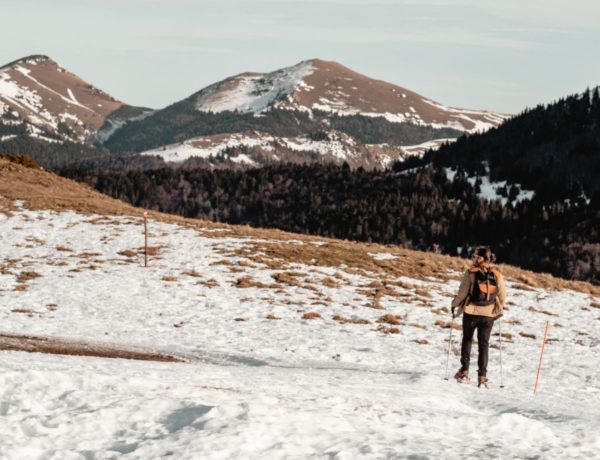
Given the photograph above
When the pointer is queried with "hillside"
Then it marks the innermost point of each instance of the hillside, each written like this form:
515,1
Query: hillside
277,331
553,149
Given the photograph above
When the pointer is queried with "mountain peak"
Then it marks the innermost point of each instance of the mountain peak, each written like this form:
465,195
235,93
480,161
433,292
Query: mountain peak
328,86
31,59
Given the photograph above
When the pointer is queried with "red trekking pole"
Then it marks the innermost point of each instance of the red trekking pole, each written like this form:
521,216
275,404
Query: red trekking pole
541,356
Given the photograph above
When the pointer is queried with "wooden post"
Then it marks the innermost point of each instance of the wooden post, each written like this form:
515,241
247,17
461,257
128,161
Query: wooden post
145,238
541,356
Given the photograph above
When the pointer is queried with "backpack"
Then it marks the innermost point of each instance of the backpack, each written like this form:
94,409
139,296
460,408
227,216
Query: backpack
484,289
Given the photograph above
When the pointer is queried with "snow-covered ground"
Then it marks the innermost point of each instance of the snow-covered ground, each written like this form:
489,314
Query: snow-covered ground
284,387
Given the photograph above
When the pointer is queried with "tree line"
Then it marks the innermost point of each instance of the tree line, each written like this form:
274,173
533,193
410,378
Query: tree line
419,209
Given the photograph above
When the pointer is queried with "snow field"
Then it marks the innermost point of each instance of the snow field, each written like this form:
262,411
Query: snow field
261,388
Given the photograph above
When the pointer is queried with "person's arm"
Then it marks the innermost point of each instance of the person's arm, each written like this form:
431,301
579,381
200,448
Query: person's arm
501,289
463,291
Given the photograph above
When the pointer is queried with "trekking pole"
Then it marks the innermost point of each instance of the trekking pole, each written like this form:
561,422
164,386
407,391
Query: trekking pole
449,348
500,329
541,356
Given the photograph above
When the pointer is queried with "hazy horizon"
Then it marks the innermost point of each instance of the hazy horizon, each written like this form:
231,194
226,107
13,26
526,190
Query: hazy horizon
463,53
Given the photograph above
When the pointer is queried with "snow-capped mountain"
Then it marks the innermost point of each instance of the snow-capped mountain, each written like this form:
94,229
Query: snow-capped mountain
54,104
330,87
313,111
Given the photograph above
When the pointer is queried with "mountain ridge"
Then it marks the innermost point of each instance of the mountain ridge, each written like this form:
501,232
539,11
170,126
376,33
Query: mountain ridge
296,104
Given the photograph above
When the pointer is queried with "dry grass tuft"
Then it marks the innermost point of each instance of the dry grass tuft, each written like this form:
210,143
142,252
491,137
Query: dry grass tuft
545,312
26,311
505,335
289,278
238,319
390,319
26,276
211,283
343,320
441,311
418,325
192,273
63,249
311,315
595,304
421,341
169,278
20,287
52,306
249,282
514,322
272,317
128,253
225,262
88,255
329,282
527,335
422,292
448,325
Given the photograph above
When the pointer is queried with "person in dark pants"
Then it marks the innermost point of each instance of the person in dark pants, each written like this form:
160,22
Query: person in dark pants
480,300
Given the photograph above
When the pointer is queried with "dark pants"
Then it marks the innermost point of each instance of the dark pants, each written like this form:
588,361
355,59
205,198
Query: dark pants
484,325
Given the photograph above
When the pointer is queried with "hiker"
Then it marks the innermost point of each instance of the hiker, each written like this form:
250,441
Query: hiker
480,300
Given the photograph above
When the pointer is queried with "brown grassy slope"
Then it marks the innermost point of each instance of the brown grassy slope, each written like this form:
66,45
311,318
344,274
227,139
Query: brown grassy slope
44,190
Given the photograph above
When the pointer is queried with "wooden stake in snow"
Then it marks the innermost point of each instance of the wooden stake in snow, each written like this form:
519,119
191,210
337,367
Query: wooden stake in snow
145,238
541,356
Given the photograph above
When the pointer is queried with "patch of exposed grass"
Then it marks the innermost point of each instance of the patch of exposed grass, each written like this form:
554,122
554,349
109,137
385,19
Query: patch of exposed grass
26,276
249,282
33,344
169,278
343,320
390,319
311,315
544,312
448,325
527,335
26,311
288,278
211,283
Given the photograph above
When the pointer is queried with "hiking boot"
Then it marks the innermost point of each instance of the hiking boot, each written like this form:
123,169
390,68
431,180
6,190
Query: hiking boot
482,381
462,376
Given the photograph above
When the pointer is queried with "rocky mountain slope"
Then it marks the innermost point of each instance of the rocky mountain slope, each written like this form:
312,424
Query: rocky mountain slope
42,100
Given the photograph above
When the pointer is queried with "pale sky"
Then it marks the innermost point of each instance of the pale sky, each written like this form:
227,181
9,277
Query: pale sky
501,55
